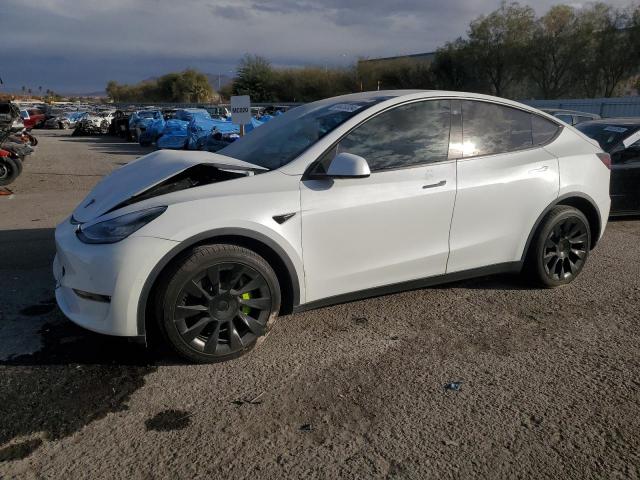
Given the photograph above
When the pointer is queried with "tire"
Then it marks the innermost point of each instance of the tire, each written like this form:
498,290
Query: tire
202,309
560,248
18,161
33,141
145,143
9,170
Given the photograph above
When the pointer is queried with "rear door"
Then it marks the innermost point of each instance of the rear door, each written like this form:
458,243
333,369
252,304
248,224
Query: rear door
392,226
505,181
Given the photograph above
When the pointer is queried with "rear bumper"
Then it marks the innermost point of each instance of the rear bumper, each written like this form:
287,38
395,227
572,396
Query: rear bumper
113,273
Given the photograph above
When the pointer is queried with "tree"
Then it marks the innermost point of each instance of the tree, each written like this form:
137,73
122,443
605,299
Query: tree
254,78
557,51
453,68
497,44
191,86
187,86
613,46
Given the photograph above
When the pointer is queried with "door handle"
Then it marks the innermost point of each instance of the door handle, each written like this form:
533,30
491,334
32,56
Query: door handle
540,169
433,185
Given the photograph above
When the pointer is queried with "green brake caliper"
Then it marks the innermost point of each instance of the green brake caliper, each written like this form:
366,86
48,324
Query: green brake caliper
245,308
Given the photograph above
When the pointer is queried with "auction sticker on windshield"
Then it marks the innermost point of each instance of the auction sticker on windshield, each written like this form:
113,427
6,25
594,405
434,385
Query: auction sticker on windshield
345,107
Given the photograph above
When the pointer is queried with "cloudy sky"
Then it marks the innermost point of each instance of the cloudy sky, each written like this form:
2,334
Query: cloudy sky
77,45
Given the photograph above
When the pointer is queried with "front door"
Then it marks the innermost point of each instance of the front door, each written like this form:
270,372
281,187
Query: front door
392,226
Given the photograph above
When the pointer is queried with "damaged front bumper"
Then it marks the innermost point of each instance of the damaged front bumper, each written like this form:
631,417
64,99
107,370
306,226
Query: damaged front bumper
98,286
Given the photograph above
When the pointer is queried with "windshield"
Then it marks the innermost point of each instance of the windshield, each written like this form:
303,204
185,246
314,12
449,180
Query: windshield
283,138
148,114
607,135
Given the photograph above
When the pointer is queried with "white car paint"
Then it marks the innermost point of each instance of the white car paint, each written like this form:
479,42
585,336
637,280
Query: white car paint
346,236
385,229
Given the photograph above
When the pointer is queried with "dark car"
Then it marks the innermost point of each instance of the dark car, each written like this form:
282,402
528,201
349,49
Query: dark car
120,123
572,117
620,138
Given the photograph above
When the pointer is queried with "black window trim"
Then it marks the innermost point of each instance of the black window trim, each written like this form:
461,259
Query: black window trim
309,175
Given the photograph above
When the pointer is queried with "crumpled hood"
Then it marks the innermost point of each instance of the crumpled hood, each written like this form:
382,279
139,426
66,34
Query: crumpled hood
146,172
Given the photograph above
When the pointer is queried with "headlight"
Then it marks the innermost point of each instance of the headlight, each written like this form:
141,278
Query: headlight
119,228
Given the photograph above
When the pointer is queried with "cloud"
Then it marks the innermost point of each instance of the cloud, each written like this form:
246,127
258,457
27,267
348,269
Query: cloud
85,43
231,12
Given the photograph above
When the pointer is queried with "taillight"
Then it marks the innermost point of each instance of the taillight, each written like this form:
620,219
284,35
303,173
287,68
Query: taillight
605,158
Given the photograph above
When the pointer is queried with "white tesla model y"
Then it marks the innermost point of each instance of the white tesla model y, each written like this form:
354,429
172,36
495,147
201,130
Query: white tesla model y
344,198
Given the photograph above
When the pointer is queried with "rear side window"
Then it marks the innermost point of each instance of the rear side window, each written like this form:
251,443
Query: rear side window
543,130
408,135
488,129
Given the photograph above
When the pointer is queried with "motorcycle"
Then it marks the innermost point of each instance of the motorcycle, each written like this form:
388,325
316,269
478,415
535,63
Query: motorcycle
12,153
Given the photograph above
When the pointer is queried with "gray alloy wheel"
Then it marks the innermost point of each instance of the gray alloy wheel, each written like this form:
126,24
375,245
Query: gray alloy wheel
560,248
218,302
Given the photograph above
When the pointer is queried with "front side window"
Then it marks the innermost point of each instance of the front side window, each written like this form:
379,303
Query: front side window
286,136
488,129
408,135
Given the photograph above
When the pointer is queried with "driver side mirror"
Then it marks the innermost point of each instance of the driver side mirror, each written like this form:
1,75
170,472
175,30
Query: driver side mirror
348,165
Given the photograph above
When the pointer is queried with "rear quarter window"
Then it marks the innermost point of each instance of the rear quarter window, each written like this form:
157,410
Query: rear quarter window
543,130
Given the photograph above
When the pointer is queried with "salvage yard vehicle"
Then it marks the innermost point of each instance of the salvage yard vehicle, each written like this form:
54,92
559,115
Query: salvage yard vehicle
63,120
620,138
32,118
92,123
120,123
140,120
344,198
572,117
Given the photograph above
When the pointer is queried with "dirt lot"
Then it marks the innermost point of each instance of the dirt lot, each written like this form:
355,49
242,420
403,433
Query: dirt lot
550,378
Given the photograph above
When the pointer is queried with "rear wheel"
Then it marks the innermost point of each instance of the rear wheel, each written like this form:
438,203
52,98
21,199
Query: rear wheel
560,247
216,302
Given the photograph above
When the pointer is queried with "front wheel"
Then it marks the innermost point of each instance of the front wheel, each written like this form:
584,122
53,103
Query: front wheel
10,169
216,302
560,247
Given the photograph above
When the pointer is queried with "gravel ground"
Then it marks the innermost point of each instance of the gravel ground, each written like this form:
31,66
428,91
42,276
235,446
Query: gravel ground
549,380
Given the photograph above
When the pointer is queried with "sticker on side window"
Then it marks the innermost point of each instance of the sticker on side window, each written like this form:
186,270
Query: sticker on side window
345,107
611,128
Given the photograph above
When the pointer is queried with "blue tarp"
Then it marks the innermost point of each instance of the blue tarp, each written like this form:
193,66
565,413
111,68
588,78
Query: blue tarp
142,117
215,134
153,129
187,114
174,135
199,129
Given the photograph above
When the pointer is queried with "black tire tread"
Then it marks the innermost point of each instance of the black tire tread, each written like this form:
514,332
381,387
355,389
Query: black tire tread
531,267
186,262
